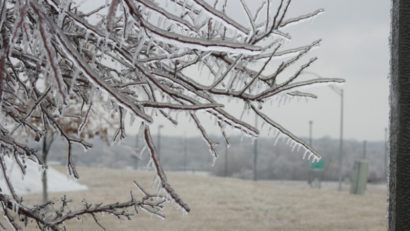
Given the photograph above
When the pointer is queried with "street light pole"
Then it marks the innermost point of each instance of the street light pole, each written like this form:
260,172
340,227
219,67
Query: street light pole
341,140
340,92
310,132
310,173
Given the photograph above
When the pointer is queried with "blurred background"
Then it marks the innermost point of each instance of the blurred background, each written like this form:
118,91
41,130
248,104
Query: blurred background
274,162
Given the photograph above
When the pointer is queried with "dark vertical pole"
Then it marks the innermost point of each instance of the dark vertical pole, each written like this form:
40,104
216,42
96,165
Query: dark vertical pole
310,173
255,160
185,155
226,160
310,132
44,174
399,183
159,141
255,154
137,148
341,140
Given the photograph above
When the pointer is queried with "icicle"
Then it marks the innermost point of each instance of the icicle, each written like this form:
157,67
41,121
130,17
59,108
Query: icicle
214,158
277,138
310,155
75,75
287,141
269,131
243,111
315,159
87,35
293,147
150,164
298,149
142,152
139,47
304,154
157,185
160,21
132,119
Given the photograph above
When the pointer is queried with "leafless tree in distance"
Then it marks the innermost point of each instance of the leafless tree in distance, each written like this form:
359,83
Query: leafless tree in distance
141,57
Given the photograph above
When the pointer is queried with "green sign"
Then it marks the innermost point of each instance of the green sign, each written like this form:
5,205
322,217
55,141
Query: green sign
319,165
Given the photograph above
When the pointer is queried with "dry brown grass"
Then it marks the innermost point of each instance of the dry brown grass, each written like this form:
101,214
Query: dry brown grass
234,204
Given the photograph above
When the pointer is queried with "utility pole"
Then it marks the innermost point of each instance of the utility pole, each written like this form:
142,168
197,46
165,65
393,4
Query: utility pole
399,175
341,140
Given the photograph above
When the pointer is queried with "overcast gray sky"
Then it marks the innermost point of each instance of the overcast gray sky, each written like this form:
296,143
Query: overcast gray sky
355,47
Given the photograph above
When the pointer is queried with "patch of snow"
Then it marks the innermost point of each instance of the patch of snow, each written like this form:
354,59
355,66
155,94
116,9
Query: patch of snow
31,182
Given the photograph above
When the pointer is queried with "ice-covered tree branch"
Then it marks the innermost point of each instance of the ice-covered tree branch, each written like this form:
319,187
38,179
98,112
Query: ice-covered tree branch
63,67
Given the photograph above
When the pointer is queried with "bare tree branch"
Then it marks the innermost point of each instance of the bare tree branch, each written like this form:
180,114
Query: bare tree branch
64,71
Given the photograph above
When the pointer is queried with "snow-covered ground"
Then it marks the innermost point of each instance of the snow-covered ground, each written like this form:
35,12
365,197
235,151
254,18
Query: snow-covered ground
31,182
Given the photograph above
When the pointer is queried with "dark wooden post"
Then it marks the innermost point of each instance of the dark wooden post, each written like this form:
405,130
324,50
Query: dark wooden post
399,180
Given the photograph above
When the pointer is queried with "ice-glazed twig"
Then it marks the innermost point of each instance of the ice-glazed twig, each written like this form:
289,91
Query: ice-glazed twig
160,172
284,131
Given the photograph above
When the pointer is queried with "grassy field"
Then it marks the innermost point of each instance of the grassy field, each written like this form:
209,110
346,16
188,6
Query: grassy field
234,204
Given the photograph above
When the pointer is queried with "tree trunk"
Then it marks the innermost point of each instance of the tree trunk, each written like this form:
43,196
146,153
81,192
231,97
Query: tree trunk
399,179
47,141
45,186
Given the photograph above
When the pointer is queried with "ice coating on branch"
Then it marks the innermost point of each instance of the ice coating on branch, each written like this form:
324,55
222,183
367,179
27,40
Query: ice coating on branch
192,43
302,18
148,59
221,17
